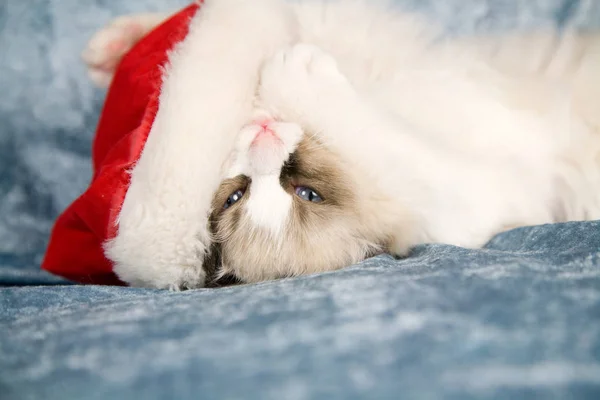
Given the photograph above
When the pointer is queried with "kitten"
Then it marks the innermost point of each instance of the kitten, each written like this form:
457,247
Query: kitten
324,132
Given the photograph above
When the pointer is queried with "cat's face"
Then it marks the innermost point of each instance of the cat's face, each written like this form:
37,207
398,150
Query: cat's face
288,207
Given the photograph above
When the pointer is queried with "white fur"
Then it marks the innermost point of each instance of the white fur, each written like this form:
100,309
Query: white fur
269,205
206,96
468,140
443,186
260,156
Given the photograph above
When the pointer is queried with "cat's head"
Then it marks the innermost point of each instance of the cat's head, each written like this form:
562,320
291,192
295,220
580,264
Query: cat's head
288,206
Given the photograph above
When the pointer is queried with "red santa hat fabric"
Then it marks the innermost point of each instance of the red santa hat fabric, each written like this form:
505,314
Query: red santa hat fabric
75,249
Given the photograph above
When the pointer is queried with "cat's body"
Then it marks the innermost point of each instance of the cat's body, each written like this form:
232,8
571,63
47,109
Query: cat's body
373,137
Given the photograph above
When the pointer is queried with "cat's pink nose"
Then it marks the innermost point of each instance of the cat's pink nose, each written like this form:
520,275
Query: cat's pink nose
265,133
263,122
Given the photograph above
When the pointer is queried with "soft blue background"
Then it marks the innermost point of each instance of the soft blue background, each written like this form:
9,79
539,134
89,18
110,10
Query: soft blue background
520,319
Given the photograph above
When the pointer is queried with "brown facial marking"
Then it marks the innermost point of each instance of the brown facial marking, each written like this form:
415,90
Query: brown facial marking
227,187
212,263
313,166
318,236
214,259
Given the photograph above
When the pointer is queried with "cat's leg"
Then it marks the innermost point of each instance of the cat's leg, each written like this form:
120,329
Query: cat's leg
206,96
107,46
402,178
303,84
454,200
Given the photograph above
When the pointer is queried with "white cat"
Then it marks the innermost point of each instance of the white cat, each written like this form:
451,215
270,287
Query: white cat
299,137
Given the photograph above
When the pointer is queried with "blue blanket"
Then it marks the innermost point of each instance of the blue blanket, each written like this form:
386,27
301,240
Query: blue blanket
518,319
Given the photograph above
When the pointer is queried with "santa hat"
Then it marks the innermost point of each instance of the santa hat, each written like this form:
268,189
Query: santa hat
171,118
75,250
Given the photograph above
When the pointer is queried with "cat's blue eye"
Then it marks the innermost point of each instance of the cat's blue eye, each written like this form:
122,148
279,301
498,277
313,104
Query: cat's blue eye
308,194
233,198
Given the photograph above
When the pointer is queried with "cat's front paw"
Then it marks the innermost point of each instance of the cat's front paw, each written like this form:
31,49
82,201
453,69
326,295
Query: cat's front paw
300,78
146,258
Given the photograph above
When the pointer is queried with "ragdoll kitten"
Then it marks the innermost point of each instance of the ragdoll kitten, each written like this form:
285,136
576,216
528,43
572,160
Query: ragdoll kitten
299,137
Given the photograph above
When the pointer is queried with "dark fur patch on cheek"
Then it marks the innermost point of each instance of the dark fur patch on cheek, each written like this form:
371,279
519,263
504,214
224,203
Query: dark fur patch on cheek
213,259
212,266
288,170
227,280
212,263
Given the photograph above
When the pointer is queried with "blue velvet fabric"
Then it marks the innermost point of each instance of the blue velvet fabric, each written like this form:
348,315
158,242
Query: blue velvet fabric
518,319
